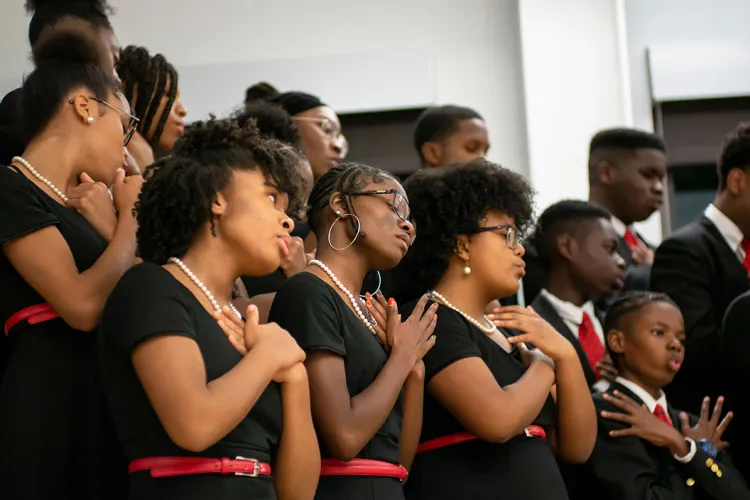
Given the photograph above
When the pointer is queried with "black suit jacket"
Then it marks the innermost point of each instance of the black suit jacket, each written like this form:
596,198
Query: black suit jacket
699,271
735,361
547,311
630,468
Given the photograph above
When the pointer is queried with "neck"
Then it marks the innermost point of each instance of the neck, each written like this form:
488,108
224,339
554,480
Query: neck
463,293
603,199
652,389
209,261
54,159
349,267
725,203
561,285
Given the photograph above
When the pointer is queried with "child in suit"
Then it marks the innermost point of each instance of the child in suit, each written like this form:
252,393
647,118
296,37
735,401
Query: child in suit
645,448
577,246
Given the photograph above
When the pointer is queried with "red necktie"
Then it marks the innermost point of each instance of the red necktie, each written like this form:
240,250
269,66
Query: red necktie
590,343
746,248
661,414
631,239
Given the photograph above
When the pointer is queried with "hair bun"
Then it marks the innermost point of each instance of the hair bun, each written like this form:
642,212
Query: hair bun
261,91
71,47
33,6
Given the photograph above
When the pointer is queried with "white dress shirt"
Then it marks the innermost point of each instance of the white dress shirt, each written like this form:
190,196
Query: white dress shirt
728,229
651,403
620,227
572,316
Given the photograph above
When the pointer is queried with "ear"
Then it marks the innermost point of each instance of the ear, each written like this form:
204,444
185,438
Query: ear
84,107
616,341
605,172
462,248
432,153
736,181
219,205
567,246
336,203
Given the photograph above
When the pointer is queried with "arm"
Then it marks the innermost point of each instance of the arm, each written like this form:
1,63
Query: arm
297,468
345,423
263,302
411,428
470,392
45,261
574,435
196,414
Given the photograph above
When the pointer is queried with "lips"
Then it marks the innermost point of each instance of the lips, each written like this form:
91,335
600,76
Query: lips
406,239
284,242
675,363
520,269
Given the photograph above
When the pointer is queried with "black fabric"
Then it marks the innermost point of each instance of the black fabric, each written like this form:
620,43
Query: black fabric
319,319
699,271
629,468
734,349
295,103
521,468
165,307
11,139
57,437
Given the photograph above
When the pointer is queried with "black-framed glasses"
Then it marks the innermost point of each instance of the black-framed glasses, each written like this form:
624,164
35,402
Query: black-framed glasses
398,204
511,234
132,120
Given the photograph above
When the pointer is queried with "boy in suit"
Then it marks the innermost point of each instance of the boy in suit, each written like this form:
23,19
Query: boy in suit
646,448
704,266
578,251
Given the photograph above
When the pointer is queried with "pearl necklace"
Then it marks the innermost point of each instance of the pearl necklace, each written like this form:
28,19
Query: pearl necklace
486,329
185,269
40,177
346,291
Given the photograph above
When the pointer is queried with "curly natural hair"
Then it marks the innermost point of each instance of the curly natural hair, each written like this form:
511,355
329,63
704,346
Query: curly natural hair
176,199
449,202
272,121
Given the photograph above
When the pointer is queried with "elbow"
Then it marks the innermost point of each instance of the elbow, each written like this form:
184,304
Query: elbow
83,316
576,455
496,433
193,438
345,446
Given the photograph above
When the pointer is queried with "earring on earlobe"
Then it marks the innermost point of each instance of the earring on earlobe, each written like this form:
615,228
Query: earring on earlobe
90,120
467,269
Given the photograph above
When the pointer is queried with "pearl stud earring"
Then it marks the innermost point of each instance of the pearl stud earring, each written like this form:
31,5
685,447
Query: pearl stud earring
90,120
467,269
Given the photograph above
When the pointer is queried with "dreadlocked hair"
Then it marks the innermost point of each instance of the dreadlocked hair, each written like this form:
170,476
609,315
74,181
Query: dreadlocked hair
449,202
629,303
175,202
47,13
146,80
343,178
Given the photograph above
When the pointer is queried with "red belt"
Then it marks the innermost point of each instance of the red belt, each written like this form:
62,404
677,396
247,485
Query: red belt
362,467
33,315
451,439
184,466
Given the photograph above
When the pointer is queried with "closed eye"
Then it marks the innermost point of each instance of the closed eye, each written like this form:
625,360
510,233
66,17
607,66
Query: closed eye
658,333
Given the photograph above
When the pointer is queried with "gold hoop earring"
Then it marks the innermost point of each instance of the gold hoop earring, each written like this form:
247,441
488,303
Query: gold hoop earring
338,218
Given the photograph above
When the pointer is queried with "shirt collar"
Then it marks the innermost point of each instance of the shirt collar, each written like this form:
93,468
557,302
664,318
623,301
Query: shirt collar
569,311
728,229
643,394
620,226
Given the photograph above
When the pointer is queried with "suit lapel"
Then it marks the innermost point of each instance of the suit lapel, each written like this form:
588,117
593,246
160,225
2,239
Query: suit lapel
543,307
728,258
624,250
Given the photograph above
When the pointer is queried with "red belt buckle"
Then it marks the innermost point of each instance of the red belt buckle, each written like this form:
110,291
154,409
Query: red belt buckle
33,315
535,431
159,467
256,467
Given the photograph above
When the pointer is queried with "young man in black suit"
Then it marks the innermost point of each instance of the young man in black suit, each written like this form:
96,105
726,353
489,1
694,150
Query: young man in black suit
704,266
626,174
646,448
577,245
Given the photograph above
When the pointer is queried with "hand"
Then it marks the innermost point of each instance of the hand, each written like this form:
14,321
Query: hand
276,341
125,191
131,166
535,330
607,369
708,428
378,309
92,200
643,255
529,356
234,327
296,374
412,338
644,424
296,260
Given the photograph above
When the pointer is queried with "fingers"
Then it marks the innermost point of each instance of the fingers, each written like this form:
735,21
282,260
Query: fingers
233,317
251,316
684,423
429,316
429,324
119,176
519,339
723,426
621,401
428,345
86,178
418,309
380,298
623,432
703,417
617,416
393,320
717,411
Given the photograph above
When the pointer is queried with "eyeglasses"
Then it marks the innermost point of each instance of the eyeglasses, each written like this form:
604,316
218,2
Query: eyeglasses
398,204
330,129
132,120
511,234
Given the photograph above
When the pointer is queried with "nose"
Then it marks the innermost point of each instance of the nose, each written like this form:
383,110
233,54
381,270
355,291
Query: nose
406,226
287,224
658,187
520,250
180,108
675,344
620,261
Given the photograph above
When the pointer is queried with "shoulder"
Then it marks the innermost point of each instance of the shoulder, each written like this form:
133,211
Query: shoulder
691,233
305,288
147,288
14,186
145,275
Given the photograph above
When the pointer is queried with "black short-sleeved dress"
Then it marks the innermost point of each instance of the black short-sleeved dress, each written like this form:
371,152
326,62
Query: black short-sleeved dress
56,436
319,319
149,301
520,469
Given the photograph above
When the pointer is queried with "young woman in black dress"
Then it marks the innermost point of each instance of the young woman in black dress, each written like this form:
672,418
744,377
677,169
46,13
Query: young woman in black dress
204,413
366,396
65,243
496,414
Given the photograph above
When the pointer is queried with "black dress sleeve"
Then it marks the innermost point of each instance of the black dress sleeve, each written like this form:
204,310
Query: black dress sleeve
147,302
306,307
453,343
21,211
